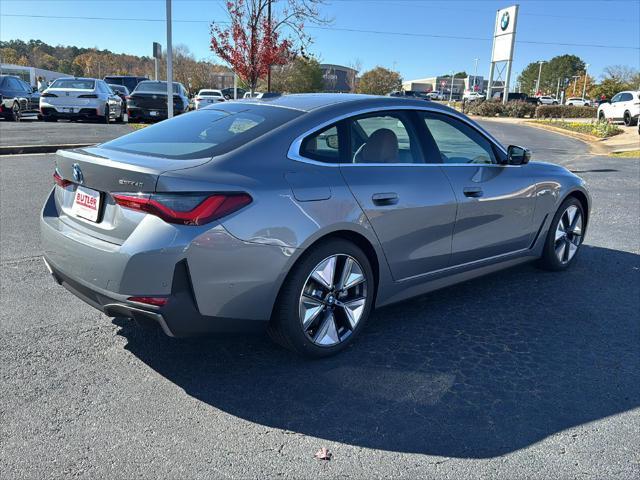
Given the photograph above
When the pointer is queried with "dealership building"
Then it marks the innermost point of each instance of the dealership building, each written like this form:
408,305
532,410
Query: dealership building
443,84
338,79
30,74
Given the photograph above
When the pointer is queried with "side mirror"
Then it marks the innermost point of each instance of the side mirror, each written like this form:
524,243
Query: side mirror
518,155
332,141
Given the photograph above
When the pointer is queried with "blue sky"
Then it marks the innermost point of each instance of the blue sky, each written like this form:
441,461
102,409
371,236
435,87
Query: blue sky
580,23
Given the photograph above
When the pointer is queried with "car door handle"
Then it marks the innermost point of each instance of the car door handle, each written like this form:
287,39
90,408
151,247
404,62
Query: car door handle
390,198
473,192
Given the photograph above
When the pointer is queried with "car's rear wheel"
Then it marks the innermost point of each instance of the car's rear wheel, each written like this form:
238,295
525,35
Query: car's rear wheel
565,236
602,117
107,117
629,121
325,300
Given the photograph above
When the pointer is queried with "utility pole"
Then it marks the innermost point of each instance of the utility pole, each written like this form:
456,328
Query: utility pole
539,73
558,89
584,87
169,64
269,22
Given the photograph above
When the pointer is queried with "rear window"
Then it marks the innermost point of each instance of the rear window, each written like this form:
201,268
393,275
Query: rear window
157,87
210,93
203,133
74,83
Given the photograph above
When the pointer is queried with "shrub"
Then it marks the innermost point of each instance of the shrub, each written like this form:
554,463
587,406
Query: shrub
565,111
519,109
487,109
597,129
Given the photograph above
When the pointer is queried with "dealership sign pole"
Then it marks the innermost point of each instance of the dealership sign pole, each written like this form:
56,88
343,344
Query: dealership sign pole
504,36
169,64
157,54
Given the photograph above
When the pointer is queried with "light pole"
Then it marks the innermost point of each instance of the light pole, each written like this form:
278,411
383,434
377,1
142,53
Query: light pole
475,74
558,89
539,73
575,83
584,87
169,64
451,89
269,21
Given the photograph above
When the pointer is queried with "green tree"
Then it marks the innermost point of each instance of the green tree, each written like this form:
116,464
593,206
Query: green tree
379,81
562,68
301,75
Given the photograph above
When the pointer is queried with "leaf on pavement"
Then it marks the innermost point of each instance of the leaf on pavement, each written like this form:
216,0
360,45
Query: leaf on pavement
323,454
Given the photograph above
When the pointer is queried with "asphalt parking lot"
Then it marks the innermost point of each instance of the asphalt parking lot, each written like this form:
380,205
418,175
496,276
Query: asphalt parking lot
522,374
33,132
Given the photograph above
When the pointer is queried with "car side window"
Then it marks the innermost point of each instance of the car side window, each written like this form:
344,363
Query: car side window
383,138
458,142
323,146
616,98
625,97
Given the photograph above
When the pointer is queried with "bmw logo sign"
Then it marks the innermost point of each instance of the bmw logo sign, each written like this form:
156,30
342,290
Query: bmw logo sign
77,173
504,21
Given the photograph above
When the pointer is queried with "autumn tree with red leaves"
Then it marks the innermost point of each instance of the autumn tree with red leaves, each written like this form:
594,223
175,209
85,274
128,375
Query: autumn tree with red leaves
250,43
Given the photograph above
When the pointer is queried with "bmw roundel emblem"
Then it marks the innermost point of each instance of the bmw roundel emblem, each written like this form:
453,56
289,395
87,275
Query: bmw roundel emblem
77,173
504,21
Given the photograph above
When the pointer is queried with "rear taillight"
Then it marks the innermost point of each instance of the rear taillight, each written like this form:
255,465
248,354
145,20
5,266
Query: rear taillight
155,301
60,181
184,209
90,95
47,94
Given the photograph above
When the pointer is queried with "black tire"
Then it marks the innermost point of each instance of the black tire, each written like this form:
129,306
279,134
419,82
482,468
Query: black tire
628,120
549,259
554,103
106,119
602,117
16,113
50,118
285,327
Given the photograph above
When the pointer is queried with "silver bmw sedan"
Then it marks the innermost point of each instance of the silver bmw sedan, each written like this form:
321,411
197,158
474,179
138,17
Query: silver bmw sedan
300,214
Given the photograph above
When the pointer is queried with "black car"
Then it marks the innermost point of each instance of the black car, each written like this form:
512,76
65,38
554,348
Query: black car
148,102
228,93
515,96
129,81
17,98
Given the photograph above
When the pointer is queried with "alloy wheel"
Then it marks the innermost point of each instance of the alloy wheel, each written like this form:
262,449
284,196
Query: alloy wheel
333,300
568,234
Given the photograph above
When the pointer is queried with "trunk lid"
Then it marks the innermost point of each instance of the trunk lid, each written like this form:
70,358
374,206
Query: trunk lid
109,171
151,100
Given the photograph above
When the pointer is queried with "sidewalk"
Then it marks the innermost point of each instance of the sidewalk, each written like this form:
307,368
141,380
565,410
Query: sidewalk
627,140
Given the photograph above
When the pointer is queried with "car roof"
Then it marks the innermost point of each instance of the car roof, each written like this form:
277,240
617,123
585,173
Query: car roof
307,102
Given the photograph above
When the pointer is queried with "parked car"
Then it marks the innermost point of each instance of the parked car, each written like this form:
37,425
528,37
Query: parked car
148,102
624,107
436,95
473,96
252,95
220,220
409,94
207,97
228,93
121,91
17,98
515,96
76,98
129,81
578,102
547,100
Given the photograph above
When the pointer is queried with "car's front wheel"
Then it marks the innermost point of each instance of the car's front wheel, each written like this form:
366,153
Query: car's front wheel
325,300
16,114
565,236
629,121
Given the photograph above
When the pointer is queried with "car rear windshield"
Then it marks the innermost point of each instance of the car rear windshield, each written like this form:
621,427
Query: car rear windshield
210,93
157,87
74,83
203,133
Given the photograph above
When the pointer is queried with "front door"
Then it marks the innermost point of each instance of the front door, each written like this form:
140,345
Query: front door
410,204
495,201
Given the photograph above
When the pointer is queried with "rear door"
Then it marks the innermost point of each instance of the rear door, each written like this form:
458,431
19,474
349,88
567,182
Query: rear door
409,203
495,202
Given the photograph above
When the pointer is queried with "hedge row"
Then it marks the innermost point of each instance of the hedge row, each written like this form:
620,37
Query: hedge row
520,109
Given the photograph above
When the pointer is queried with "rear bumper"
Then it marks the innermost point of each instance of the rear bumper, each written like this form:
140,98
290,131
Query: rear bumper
80,113
139,113
213,281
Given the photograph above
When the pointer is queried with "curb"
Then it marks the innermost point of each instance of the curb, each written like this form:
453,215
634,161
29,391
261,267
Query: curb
26,149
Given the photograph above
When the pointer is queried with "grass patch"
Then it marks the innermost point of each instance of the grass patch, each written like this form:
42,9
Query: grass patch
628,154
596,129
138,126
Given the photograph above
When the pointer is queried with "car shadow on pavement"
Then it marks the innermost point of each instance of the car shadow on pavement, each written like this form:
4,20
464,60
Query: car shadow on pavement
475,370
